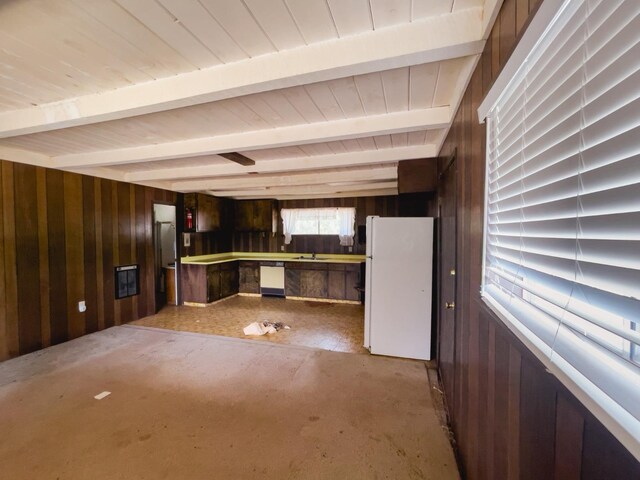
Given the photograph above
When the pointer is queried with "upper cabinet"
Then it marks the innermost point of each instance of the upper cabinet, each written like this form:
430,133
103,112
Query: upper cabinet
255,216
205,213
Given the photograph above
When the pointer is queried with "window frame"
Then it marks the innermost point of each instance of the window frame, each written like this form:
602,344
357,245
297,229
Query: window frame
616,420
342,215
318,222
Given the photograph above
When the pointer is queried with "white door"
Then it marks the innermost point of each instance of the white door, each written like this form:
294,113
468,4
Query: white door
400,290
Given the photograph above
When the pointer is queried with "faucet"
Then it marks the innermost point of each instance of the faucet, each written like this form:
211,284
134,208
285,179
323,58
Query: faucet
313,255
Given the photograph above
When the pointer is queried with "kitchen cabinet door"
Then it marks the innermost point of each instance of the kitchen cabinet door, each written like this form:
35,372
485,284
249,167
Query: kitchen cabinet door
352,280
213,283
336,284
208,213
254,215
194,283
313,283
243,221
228,279
249,277
263,215
291,281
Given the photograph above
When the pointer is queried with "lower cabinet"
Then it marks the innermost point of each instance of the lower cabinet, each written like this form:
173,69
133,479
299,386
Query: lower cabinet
336,284
208,283
228,279
291,281
213,283
352,282
313,283
249,273
336,281
194,283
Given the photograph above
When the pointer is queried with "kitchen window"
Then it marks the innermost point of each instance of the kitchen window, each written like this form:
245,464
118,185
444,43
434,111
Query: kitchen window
319,221
562,231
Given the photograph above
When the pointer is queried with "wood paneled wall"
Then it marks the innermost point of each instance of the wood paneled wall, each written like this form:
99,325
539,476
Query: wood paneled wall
204,243
386,206
511,419
61,235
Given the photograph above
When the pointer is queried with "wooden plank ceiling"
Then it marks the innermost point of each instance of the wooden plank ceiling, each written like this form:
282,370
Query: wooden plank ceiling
325,96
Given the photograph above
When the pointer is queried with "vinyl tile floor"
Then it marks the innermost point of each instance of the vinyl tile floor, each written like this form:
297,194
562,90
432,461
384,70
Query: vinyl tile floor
329,326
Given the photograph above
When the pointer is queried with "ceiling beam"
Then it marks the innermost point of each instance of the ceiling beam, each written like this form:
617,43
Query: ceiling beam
19,155
367,157
358,193
433,39
462,82
109,174
368,126
238,158
304,190
311,178
489,15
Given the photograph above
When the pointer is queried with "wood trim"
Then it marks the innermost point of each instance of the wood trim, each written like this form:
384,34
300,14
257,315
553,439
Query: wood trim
90,254
116,250
4,346
97,192
569,432
43,250
27,258
11,276
108,216
74,252
448,163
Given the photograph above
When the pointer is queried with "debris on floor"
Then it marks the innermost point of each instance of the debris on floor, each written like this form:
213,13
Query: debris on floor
262,328
100,396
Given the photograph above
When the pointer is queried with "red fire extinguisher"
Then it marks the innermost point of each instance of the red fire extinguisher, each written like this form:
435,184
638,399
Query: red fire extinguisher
189,219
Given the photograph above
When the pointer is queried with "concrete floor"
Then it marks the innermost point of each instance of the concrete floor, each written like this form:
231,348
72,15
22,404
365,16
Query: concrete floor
330,326
193,406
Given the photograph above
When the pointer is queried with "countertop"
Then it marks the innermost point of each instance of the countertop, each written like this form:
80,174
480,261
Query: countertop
270,257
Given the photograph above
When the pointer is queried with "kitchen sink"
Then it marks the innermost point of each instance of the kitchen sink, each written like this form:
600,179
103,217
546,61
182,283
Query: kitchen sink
303,257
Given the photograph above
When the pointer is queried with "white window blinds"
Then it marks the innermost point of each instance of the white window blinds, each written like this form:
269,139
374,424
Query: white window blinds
562,255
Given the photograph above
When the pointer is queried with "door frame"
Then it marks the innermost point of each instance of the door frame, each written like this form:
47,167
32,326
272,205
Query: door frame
154,239
448,174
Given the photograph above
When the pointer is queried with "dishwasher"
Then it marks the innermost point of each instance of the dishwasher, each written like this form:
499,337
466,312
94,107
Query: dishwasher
272,280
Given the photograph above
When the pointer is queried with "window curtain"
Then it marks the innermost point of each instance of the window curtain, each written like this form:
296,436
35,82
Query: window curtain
319,221
347,219
289,218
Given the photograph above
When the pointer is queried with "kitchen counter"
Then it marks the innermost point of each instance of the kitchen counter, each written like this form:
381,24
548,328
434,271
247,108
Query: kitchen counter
270,257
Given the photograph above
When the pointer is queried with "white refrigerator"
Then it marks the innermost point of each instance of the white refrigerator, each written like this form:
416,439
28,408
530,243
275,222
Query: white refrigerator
398,287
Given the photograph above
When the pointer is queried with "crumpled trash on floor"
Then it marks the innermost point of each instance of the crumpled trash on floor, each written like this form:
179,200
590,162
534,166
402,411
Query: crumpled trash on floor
262,328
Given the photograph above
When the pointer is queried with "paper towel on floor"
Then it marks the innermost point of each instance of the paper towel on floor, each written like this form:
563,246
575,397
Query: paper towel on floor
258,329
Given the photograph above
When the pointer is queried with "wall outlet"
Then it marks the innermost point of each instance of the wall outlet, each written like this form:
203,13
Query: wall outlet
82,306
282,248
187,239
350,249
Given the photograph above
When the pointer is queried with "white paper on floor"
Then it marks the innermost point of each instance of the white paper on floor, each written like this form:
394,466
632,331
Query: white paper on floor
256,328
100,396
